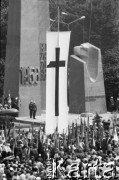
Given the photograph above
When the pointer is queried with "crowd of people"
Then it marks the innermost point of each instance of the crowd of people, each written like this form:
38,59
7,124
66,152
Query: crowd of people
32,155
9,103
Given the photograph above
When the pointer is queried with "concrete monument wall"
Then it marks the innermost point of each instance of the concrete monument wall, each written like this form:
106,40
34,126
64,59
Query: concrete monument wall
76,86
86,83
28,21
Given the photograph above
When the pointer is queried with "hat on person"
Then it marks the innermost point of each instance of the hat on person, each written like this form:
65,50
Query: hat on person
38,178
20,141
93,151
15,165
112,159
3,165
85,160
11,169
4,175
5,105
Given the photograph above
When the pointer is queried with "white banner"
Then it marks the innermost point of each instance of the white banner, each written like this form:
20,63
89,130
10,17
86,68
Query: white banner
55,39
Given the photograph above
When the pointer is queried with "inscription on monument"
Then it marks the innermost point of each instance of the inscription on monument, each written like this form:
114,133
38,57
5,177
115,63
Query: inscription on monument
29,75
42,61
93,98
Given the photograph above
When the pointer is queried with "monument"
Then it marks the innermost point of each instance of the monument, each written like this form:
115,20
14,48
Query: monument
86,82
25,68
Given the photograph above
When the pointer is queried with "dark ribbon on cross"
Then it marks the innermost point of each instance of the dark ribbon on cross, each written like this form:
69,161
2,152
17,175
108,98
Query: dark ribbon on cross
56,64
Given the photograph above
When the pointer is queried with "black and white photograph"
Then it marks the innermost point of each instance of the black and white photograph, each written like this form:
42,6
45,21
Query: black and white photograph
59,90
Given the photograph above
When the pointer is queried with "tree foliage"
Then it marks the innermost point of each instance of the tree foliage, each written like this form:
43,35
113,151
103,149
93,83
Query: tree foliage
1,74
3,26
3,35
111,73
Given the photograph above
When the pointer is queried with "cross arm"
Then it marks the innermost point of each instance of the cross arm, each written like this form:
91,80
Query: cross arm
51,64
54,64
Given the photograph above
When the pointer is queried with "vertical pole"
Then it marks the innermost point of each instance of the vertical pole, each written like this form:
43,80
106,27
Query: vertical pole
58,18
19,128
6,130
83,31
14,138
3,97
63,138
58,26
57,54
57,88
90,20
14,131
32,127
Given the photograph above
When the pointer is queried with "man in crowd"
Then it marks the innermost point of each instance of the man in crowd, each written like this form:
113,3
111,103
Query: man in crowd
31,108
111,104
34,110
117,104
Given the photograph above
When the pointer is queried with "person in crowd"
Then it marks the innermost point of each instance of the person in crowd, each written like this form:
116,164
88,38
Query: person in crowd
117,104
9,171
6,106
34,110
16,176
4,177
23,174
1,107
111,104
31,108
15,103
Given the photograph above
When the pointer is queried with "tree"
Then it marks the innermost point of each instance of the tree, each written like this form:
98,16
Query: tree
111,73
105,34
3,26
1,75
3,35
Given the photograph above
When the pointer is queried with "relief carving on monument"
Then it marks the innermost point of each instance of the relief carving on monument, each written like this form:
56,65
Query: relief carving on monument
42,61
29,75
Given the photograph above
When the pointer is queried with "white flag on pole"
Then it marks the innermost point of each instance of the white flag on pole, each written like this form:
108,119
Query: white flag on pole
115,134
51,119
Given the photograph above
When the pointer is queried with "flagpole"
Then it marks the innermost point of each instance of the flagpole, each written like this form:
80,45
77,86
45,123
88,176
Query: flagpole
58,26
14,138
58,46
